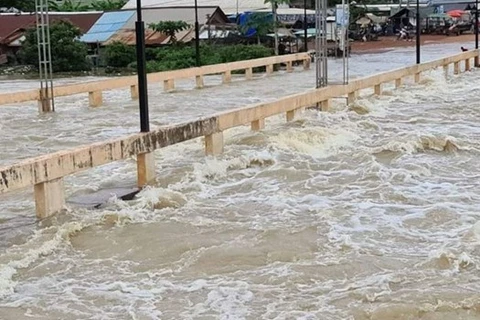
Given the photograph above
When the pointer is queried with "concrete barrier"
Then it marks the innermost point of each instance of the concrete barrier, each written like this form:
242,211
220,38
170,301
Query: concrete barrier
95,88
46,172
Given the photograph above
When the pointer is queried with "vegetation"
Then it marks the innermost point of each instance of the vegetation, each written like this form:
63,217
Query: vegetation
77,5
170,28
261,22
179,57
23,5
119,55
275,4
68,53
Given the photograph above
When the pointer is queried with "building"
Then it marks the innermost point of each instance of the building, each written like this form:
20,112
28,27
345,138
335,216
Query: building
120,25
227,6
14,25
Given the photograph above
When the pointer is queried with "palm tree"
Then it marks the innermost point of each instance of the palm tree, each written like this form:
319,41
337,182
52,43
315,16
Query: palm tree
275,4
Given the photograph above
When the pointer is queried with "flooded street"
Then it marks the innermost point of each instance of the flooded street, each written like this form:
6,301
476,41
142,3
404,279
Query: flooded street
364,212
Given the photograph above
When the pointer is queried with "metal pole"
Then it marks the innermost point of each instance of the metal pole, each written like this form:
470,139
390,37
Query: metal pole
476,24
141,70
305,24
197,36
418,32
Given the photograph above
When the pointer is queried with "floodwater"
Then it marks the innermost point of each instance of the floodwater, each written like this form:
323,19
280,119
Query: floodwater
365,212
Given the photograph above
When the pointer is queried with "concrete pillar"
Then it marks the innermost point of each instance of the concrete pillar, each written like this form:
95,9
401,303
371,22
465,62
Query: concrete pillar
398,83
269,69
456,68
249,73
325,105
352,96
145,169
44,105
199,82
49,198
416,77
306,64
95,98
476,61
378,89
289,66
134,92
214,144
291,115
467,64
445,70
258,125
227,76
169,85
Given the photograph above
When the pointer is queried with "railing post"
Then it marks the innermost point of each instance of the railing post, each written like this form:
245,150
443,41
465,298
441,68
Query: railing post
378,89
227,76
199,82
445,71
325,105
467,64
416,77
398,83
306,64
291,115
95,98
476,61
269,69
146,169
214,144
134,92
456,68
258,125
49,198
249,73
289,66
169,85
352,96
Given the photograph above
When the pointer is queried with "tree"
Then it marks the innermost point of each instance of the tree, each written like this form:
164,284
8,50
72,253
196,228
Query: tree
119,55
275,4
22,5
68,53
108,5
68,6
169,28
261,22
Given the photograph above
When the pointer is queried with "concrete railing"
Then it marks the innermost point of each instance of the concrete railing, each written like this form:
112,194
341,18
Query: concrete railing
46,172
96,88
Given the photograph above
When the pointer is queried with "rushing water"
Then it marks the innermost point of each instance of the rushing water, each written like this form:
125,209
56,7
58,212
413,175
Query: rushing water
366,212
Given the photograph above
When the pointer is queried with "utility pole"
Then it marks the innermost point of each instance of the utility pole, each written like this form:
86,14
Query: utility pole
197,36
305,24
142,70
418,31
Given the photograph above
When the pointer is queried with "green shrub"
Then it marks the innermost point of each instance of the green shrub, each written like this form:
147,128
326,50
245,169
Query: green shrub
119,55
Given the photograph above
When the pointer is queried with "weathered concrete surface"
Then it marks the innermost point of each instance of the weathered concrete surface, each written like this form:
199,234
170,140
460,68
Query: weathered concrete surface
124,82
48,168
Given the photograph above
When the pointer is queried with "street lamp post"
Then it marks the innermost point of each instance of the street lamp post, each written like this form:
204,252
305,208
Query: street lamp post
197,36
305,24
141,70
418,32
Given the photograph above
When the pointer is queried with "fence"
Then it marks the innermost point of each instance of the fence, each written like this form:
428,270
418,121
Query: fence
96,88
46,172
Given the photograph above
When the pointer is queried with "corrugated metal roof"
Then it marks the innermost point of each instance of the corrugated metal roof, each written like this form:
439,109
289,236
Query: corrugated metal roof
228,6
187,14
10,23
108,24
